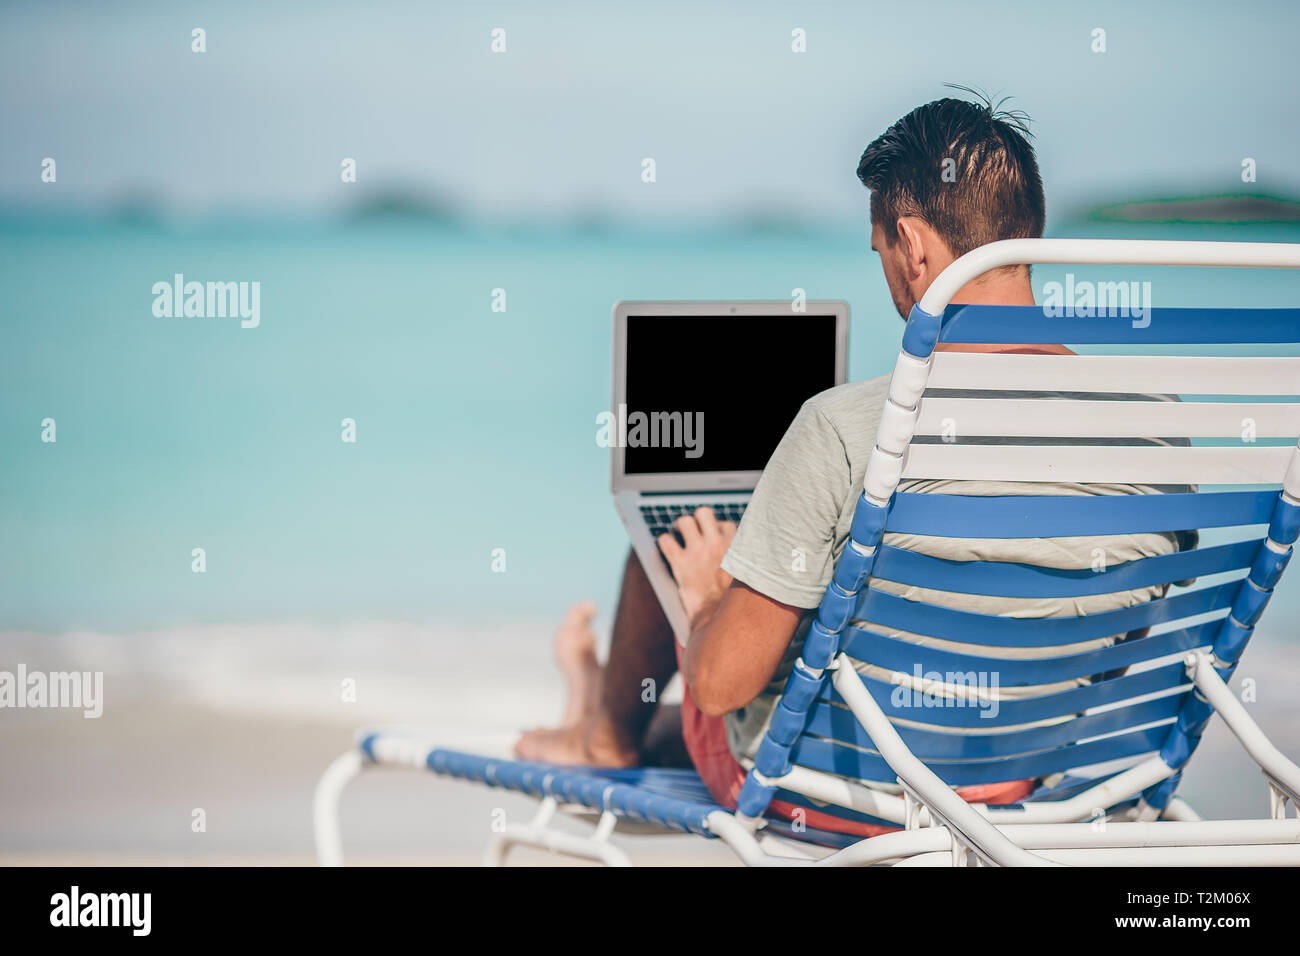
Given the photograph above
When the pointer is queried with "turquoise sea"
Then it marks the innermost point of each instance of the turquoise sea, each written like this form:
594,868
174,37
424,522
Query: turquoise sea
475,428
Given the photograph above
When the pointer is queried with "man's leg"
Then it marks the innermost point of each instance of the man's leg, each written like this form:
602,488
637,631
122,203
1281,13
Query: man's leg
640,650
614,730
664,745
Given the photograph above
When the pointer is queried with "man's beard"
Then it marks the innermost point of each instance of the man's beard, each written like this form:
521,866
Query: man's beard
900,294
901,304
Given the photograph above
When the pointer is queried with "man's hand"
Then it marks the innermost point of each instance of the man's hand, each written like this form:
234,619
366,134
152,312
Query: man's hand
738,635
697,565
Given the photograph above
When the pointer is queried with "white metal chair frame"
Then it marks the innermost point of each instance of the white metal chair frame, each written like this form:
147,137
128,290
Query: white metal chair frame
939,826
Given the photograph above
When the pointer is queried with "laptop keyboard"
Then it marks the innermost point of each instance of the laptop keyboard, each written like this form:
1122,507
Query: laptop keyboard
659,518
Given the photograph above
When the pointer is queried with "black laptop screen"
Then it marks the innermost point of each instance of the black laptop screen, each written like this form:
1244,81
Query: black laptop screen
716,393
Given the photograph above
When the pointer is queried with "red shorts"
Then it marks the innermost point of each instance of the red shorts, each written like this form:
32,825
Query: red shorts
706,742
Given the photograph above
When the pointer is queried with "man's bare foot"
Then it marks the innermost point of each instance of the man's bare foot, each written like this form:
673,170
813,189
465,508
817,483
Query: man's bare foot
586,737
575,653
589,744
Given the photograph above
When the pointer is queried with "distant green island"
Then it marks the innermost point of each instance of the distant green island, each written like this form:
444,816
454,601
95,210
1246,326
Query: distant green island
404,205
1202,209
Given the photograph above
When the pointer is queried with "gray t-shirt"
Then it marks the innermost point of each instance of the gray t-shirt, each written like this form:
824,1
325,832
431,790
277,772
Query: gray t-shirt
798,523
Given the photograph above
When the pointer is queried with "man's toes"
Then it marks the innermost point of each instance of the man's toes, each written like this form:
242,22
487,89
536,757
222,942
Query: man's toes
529,742
575,642
577,620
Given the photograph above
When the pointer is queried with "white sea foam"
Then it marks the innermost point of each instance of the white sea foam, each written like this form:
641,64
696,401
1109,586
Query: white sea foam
476,685
468,685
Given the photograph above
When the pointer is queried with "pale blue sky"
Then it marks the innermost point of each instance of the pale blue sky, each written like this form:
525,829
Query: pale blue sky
560,123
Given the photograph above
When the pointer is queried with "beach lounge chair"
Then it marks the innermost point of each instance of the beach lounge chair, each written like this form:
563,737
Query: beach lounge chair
1109,754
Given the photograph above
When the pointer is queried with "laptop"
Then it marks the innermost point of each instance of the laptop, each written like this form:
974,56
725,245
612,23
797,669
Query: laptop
703,393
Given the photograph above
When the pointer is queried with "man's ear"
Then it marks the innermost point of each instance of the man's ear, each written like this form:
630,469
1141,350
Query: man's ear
912,235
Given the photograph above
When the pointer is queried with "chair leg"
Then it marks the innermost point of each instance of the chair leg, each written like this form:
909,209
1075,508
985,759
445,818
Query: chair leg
1180,811
1281,773
325,806
538,834
1277,800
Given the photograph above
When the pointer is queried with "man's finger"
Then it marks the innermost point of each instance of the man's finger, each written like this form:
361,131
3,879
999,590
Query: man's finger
670,548
688,528
707,519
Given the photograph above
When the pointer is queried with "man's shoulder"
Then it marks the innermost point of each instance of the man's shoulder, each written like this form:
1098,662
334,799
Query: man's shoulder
852,405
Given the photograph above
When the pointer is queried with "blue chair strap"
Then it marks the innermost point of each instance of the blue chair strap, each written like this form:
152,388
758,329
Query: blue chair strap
993,630
838,724
907,658
1060,516
830,757
1041,707
1007,579
661,797
1032,325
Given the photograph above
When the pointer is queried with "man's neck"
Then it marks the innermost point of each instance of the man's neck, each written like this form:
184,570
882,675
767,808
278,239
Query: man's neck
989,290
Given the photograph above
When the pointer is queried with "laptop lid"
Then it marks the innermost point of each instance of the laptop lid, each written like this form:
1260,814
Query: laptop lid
703,391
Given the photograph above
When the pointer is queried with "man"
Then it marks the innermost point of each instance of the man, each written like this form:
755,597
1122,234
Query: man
947,178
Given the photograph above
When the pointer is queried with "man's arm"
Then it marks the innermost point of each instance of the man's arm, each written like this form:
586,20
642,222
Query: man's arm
740,630
733,656
738,635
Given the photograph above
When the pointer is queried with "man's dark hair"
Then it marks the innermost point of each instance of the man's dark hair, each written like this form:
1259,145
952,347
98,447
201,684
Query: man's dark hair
992,190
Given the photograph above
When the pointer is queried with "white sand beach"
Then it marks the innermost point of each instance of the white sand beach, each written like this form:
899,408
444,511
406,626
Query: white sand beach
240,721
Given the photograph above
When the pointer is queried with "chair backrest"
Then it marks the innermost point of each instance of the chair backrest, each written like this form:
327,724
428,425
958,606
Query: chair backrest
1227,420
